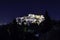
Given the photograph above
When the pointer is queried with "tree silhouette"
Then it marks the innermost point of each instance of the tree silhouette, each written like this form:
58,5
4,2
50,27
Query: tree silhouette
47,24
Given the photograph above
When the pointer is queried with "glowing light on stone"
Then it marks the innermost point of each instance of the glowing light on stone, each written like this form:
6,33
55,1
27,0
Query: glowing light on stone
37,16
31,15
31,18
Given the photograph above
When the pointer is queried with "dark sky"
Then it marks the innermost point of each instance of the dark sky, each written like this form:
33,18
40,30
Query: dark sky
11,9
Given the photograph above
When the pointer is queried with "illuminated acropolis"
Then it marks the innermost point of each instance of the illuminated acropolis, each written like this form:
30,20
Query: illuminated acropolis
31,18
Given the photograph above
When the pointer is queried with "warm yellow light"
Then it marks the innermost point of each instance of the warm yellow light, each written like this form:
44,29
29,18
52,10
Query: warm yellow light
37,16
31,18
31,15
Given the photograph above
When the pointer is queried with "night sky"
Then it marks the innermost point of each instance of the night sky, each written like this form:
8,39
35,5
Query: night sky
12,9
